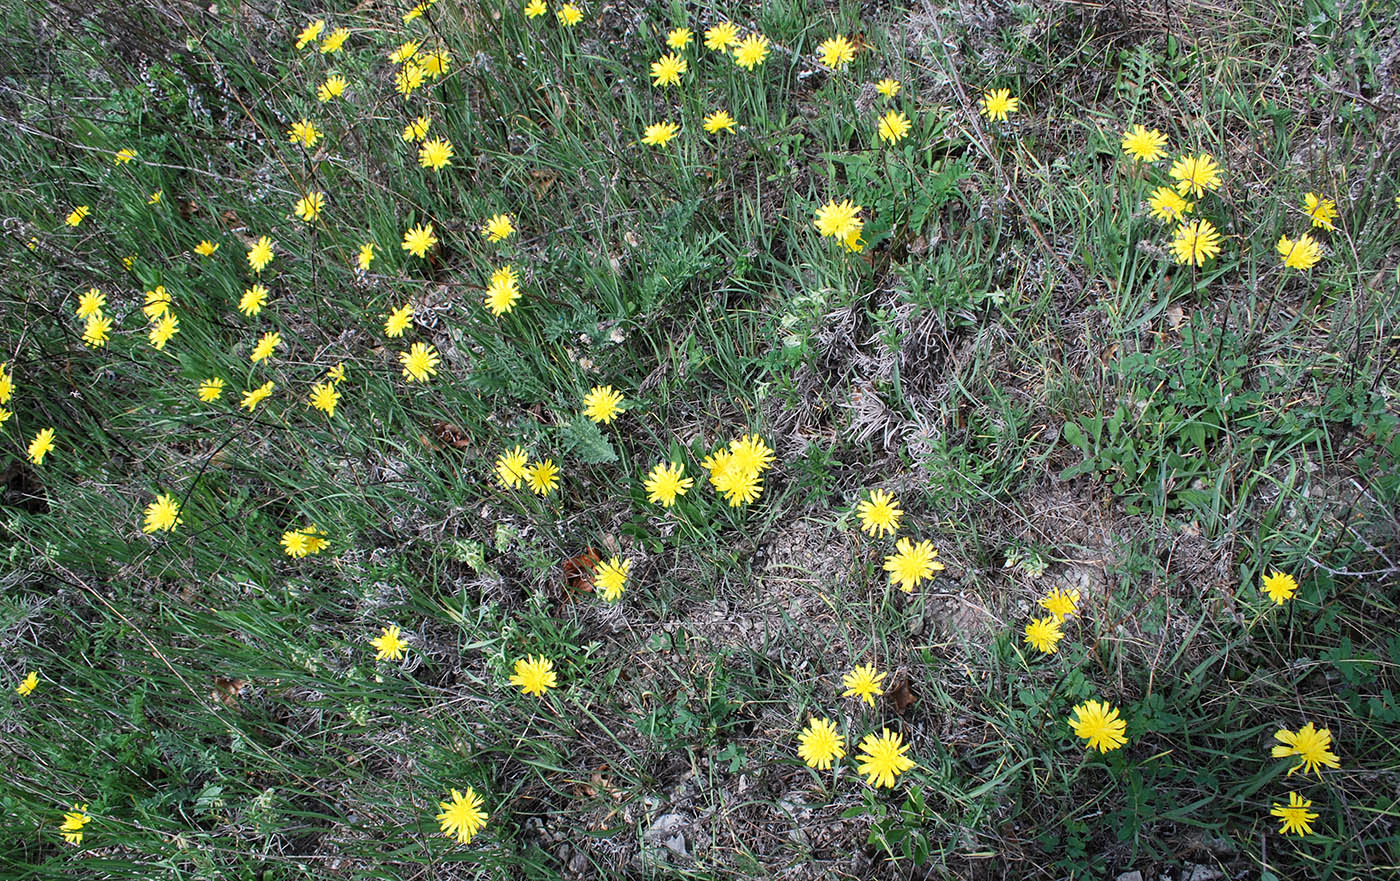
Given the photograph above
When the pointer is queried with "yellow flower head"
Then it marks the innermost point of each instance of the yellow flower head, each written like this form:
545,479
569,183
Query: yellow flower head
679,38
722,36
388,646
534,675
569,15
267,344
602,404
308,207
837,52
419,239
256,396
304,132
1296,818
76,216
252,301
211,389
435,154
1061,603
863,682
365,256
162,515
310,33
205,248
73,823
1099,725
408,79
1044,634
28,684
1301,253
997,103
1312,746
510,467
665,482
879,514
894,127
334,40
497,228
667,70
542,477
163,329
719,121
658,134
324,396
124,156
417,130
1168,205
839,219
882,758
399,320
611,578
154,198
751,51
406,52
536,8
95,331
333,87
1196,174
1280,586
303,542
503,291
436,64
462,817
820,743
260,254
1142,145
419,362
887,87
912,563
1195,242
90,303
157,302
1320,210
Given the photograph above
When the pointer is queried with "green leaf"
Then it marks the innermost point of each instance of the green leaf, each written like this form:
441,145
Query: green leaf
587,443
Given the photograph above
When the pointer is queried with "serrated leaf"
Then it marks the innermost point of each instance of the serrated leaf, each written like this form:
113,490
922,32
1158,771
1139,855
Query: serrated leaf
586,442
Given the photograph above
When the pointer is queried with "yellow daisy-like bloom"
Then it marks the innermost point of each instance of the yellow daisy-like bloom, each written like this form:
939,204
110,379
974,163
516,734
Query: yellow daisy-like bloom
419,362
1196,241
1061,603
602,404
882,758
751,51
310,33
719,121
417,130
303,542
739,487
497,228
267,344
462,817
333,87
40,446
569,15
5,415
336,373
1301,253
419,239
157,302
399,320
76,216
1280,586
665,482
388,646
503,291
997,103
95,331
510,467
839,219
658,134
894,126
1196,174
820,743
211,389
435,154
308,207
542,477
304,132
912,563
256,396
205,248
162,514
252,301
667,70
863,682
334,40
722,36
679,38
28,684
887,87
365,256
1168,205
534,675
324,396
405,52
417,11
124,156
750,453
1313,747
1320,210
879,514
260,254
1044,634
7,384
611,578
1099,725
1296,818
90,303
154,198
436,64
73,823
408,79
1143,145
536,8
837,52
163,329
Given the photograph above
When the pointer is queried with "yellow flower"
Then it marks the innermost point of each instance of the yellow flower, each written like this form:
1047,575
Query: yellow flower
408,79
542,477
419,239
894,126
154,198
510,467
1313,746
1044,634
419,362
751,51
1302,253
333,87
1061,603
267,344
76,216
1196,241
503,291
365,256
334,40
719,121
679,38
912,563
667,70
95,331
163,329
820,743
256,396
837,52
417,130
611,578
1196,174
1099,725
882,758
40,446
879,514
665,482
1321,210
536,8
1279,586
308,207
1168,205
260,254
324,396
534,675
387,645
73,823
206,248
1297,819
659,133
211,389
435,154
602,404
157,302
310,33
336,373
405,52
399,320
721,36
1143,145
463,817
997,103
28,684
162,514
435,64
304,542
417,10
887,87
863,682
839,220
569,15
304,132
497,227
5,415
7,384
124,156
253,299
91,302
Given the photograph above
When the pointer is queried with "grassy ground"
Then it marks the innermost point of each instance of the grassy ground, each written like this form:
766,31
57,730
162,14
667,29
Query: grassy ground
1015,355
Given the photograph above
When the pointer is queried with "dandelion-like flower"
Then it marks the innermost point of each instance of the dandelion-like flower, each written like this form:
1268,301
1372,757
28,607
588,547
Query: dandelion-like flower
1302,253
388,645
534,675
333,87
1320,210
722,36
408,79
1060,602
324,396
28,684
435,154
310,33
611,578
659,134
1143,145
1099,725
665,482
163,329
1167,204
1044,634
162,515
1196,174
260,254
254,397
536,8
719,121
997,103
267,344
837,52
1312,746
90,303
419,239
1296,818
569,15
211,389
912,563
542,477
419,362
894,127
76,216
157,302
888,87
308,207
462,817
436,64
154,198
667,70
882,758
510,467
365,256
602,404
1195,242
303,542
73,823
503,291
839,220
95,331
334,41
206,248
879,514
751,51
679,38
252,301
1280,586
123,156
863,682
304,132
399,320
820,743
497,228
417,130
